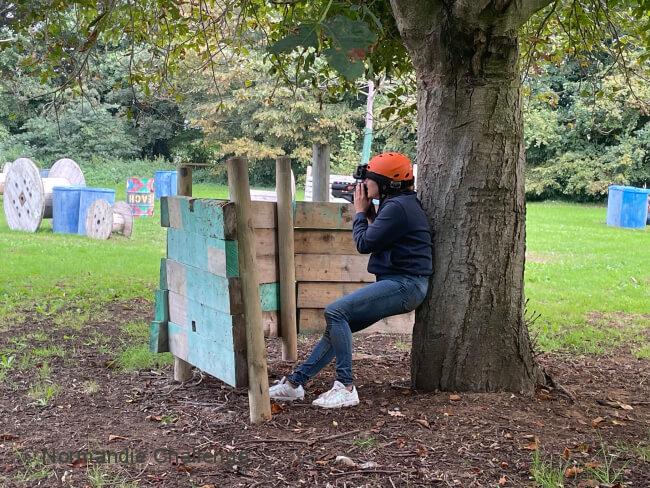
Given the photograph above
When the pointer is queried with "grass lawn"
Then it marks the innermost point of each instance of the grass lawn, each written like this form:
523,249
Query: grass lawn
589,282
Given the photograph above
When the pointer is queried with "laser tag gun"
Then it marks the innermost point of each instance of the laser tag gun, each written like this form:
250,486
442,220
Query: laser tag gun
345,190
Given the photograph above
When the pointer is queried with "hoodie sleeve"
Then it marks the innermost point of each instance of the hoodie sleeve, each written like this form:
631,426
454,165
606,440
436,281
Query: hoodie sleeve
390,225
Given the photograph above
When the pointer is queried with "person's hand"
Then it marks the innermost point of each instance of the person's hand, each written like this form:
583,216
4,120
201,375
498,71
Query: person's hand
361,202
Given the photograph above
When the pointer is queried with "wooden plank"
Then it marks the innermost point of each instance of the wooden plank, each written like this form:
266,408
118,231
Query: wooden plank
214,324
323,215
219,256
161,308
320,294
312,320
226,364
163,275
211,217
325,267
158,338
215,291
312,241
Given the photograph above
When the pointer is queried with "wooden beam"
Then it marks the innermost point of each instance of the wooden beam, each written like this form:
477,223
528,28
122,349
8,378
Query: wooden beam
211,217
258,380
311,241
313,320
321,173
320,294
182,369
323,215
287,266
326,267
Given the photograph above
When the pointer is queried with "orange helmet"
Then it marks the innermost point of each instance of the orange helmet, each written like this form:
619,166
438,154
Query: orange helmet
391,165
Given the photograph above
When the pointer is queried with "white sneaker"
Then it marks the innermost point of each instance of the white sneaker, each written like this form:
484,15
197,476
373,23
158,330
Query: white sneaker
338,397
282,390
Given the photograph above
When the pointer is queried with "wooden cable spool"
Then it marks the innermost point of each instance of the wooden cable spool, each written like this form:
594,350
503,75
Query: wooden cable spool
28,197
102,219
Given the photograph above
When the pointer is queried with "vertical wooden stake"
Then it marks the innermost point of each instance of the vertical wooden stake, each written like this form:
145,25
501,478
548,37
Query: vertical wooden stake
258,381
288,327
321,173
183,369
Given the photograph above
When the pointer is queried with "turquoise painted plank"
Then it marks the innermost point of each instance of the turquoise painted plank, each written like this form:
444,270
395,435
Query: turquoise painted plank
223,363
161,310
163,275
199,215
158,338
217,256
270,296
215,291
221,327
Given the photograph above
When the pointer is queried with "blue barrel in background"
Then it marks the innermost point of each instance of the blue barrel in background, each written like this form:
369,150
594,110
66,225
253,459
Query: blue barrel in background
44,173
627,206
87,197
65,209
165,183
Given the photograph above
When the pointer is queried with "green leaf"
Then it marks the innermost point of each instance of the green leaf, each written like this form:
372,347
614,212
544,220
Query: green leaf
348,34
304,36
340,62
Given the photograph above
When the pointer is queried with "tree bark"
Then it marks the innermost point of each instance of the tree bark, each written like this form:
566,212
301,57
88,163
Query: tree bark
470,334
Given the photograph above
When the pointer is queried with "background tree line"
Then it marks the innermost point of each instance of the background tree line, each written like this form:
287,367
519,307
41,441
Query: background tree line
586,119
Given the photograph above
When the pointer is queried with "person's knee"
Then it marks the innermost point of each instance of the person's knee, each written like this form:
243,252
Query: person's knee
335,311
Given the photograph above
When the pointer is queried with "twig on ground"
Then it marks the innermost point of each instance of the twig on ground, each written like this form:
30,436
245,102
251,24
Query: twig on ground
365,471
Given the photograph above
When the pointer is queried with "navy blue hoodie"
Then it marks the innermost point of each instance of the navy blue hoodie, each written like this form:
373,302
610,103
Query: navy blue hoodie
399,238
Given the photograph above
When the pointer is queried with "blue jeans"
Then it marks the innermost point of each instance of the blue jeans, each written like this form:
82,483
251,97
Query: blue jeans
389,295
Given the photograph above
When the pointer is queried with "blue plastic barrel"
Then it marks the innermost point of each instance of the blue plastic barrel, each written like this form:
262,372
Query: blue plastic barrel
65,209
44,172
165,183
86,198
627,206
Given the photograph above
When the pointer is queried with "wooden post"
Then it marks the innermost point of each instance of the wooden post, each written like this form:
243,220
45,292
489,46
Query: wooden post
258,381
183,369
321,173
286,262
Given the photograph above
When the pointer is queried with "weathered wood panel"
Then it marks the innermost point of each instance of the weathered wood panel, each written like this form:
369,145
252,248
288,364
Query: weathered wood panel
158,338
321,294
325,267
212,218
313,320
312,241
161,309
224,363
214,324
323,215
215,291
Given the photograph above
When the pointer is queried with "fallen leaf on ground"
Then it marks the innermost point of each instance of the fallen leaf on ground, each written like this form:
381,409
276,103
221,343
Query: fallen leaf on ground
502,481
8,437
345,461
597,421
276,408
423,423
154,418
533,445
395,413
454,398
369,465
567,453
572,472
592,465
79,463
112,438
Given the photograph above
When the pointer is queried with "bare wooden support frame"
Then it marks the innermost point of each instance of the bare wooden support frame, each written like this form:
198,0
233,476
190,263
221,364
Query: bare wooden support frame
258,381
321,173
288,324
183,369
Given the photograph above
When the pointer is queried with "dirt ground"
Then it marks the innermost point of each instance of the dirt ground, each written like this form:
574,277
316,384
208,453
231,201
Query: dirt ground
197,434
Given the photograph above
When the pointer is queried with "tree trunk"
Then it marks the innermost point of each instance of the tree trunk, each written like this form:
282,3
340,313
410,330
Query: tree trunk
470,334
